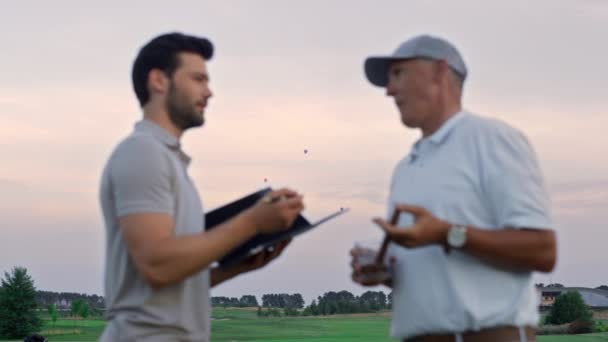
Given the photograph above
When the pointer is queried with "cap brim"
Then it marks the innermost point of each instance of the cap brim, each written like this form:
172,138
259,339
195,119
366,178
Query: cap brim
376,69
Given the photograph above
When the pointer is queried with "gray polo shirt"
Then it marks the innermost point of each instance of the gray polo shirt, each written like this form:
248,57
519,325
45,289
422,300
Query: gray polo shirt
147,173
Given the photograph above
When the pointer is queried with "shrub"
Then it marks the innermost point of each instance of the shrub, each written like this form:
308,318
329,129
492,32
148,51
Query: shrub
600,326
567,308
553,329
580,326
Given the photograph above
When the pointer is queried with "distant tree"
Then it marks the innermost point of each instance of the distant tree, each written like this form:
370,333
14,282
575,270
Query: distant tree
602,287
266,300
248,301
84,310
539,285
344,302
372,301
259,311
314,309
568,307
297,301
233,302
555,285
76,307
283,300
52,309
18,317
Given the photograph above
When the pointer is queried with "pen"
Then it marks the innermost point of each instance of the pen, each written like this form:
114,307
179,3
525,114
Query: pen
269,199
380,256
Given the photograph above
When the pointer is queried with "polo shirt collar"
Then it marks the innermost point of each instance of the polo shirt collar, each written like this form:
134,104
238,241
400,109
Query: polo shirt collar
439,136
150,127
158,132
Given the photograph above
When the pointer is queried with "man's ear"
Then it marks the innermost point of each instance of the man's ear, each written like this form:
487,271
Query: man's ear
442,70
158,82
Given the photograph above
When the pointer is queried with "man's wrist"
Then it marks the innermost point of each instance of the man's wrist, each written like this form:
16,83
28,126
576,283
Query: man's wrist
443,235
249,221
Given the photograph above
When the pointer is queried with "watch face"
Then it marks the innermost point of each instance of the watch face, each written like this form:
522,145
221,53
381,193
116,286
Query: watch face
457,236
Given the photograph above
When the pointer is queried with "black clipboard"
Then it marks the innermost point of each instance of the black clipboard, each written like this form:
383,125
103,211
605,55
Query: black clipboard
260,241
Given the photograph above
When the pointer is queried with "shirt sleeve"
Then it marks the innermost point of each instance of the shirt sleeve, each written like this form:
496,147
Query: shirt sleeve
512,180
142,179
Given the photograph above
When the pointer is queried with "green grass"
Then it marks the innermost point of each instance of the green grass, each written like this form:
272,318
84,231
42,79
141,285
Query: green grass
599,337
244,325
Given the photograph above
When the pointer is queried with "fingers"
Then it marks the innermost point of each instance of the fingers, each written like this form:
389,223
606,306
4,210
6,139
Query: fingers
273,254
287,198
404,237
283,192
387,227
277,249
365,280
281,246
277,210
294,202
392,231
258,259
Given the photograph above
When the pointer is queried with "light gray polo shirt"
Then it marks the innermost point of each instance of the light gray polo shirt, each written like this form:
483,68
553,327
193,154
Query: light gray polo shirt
147,173
478,172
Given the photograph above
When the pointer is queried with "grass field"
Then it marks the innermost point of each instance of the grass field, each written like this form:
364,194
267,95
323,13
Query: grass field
232,325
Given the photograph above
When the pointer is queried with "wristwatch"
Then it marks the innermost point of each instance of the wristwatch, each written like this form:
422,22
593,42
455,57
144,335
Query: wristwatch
457,236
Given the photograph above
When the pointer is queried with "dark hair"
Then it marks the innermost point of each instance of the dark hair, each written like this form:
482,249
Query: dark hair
161,53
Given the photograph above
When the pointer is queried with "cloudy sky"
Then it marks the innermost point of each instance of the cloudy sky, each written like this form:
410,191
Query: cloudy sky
288,76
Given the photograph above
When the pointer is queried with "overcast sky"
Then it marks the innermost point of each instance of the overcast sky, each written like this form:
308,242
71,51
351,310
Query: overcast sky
288,76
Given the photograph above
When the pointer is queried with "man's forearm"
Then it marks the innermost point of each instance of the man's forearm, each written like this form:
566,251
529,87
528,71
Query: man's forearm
515,249
176,258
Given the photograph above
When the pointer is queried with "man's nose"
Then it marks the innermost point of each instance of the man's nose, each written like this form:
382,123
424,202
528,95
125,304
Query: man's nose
390,89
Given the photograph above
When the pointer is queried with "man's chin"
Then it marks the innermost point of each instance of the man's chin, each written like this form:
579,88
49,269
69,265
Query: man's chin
197,123
407,122
192,123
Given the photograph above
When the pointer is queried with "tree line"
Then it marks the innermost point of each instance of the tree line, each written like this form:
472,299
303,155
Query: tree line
243,302
330,303
63,300
344,302
20,304
283,300
556,285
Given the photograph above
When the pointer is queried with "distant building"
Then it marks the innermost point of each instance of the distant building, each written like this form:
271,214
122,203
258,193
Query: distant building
594,298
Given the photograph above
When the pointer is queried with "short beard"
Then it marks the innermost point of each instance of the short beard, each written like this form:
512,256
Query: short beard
181,113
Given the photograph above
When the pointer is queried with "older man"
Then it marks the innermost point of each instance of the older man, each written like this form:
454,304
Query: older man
475,220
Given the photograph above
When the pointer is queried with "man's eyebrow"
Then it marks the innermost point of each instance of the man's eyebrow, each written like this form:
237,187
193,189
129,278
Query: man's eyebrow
202,75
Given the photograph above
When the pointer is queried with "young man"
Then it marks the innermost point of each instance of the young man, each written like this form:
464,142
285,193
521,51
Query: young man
475,220
158,255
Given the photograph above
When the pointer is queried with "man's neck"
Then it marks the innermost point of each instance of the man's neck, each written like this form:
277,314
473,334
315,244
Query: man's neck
161,118
439,119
